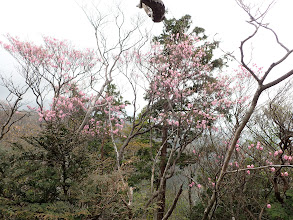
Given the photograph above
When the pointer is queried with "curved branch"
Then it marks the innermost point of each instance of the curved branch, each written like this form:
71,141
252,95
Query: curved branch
242,54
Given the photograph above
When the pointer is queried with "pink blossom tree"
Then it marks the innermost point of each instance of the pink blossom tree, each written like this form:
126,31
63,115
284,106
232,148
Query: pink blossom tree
74,82
56,69
185,101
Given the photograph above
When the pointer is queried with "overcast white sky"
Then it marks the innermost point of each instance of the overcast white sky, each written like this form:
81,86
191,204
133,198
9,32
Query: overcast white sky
64,19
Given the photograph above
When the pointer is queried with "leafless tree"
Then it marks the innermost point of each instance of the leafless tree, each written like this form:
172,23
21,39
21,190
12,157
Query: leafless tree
256,19
113,48
10,107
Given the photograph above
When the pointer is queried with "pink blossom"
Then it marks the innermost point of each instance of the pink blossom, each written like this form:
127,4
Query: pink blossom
276,153
258,145
269,206
273,169
286,174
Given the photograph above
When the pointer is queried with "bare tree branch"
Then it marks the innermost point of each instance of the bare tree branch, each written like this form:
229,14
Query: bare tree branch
172,207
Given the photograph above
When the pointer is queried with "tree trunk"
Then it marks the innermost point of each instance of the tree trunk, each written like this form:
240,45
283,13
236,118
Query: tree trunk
276,189
162,193
189,180
64,174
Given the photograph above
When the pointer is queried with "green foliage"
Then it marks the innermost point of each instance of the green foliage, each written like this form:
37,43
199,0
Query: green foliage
181,27
41,172
32,211
142,166
61,151
280,211
144,152
103,195
197,211
33,184
104,147
174,26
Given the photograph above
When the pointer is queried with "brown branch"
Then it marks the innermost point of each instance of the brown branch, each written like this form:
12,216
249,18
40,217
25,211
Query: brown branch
171,209
280,79
276,36
274,65
242,54
92,106
261,213
155,194
250,213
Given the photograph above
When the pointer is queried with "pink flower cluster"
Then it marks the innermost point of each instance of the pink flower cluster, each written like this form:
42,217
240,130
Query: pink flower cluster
193,183
55,61
109,120
57,65
175,69
65,106
75,105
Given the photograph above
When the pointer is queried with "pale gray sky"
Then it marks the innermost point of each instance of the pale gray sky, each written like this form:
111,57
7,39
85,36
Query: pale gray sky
63,19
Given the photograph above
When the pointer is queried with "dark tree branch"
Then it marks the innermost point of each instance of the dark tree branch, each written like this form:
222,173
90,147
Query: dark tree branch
171,209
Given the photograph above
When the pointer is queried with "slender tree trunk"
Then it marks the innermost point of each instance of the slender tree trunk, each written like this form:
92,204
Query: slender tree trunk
189,193
173,206
102,148
162,193
276,189
102,154
64,173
